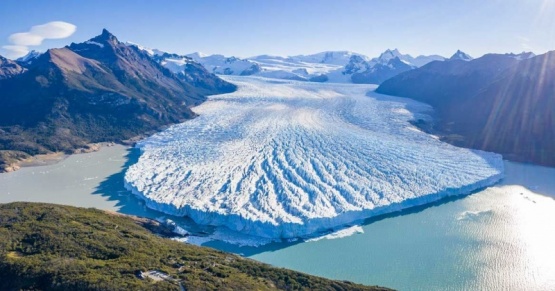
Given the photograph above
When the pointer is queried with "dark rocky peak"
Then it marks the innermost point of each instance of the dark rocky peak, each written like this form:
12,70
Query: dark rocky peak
104,46
396,62
460,55
389,54
106,37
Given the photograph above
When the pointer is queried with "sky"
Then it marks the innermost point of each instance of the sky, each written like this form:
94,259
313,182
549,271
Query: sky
245,28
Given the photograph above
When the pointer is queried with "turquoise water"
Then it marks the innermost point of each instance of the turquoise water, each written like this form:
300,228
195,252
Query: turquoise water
502,238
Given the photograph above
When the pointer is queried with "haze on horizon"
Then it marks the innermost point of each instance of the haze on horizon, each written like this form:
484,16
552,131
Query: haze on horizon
247,28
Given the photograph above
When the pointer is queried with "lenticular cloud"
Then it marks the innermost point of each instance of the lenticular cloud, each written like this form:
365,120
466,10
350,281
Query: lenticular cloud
282,159
36,35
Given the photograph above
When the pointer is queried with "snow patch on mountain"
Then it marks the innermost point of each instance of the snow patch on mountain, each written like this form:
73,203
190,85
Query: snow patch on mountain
151,52
29,57
286,159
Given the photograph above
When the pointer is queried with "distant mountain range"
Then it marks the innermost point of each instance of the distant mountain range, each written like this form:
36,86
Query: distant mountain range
96,91
501,103
329,66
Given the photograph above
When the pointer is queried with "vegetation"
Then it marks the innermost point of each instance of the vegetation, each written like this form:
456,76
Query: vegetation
54,247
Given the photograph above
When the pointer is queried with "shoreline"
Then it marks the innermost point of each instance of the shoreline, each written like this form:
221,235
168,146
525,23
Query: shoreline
53,158
25,160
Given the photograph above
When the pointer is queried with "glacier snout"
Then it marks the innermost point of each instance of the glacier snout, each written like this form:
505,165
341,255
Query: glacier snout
283,159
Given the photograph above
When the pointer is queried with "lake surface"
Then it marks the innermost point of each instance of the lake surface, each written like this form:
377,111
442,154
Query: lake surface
501,238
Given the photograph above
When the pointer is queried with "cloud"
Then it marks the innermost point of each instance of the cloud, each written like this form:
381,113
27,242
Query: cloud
25,39
21,41
54,30
15,51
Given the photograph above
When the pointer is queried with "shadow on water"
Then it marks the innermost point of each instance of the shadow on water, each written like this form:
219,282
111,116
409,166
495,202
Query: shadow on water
113,189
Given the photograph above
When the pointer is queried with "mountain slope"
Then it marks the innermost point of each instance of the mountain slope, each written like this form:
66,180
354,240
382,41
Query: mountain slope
96,91
54,247
9,68
495,102
381,72
389,64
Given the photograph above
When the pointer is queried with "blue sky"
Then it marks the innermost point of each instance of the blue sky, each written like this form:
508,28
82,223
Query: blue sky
247,28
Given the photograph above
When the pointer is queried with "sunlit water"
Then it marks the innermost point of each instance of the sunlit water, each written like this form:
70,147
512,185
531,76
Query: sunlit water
502,238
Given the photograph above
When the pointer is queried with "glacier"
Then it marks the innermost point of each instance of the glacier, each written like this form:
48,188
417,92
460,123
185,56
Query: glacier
284,159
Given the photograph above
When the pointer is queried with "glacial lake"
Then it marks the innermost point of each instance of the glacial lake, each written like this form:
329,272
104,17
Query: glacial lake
501,238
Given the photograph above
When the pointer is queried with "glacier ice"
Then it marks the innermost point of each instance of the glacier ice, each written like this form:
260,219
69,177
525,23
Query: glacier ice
285,159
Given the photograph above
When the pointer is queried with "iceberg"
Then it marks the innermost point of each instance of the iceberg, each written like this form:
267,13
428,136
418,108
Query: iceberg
285,159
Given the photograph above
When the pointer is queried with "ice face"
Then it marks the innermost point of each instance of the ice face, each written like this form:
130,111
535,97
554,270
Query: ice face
283,159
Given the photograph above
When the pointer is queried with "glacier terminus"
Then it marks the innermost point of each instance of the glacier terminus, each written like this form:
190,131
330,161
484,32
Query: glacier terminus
285,159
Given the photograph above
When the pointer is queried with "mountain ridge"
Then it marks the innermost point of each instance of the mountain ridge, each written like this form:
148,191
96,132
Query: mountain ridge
100,90
500,103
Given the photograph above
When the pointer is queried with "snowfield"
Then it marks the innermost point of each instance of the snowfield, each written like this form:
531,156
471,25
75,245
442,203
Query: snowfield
286,159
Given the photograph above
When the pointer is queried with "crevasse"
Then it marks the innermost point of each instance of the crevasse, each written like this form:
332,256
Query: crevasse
283,159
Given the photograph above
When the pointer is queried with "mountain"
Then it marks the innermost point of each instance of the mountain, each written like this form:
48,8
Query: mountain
497,103
219,64
55,247
380,72
320,67
9,68
523,55
28,58
329,57
459,55
96,91
418,61
216,64
340,66
328,66
389,64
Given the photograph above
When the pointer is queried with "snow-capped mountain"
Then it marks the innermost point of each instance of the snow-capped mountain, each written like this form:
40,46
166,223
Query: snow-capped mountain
321,67
340,66
382,71
222,65
28,58
523,55
389,64
418,61
328,66
216,64
329,57
459,55
151,52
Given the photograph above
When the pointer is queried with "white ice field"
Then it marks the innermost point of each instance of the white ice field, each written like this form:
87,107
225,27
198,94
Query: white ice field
285,159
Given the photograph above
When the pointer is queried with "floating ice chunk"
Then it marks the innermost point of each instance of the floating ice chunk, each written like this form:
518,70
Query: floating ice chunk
474,215
285,159
340,233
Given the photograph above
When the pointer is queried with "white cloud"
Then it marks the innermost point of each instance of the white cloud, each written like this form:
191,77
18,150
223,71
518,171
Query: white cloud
15,51
54,30
25,39
35,36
